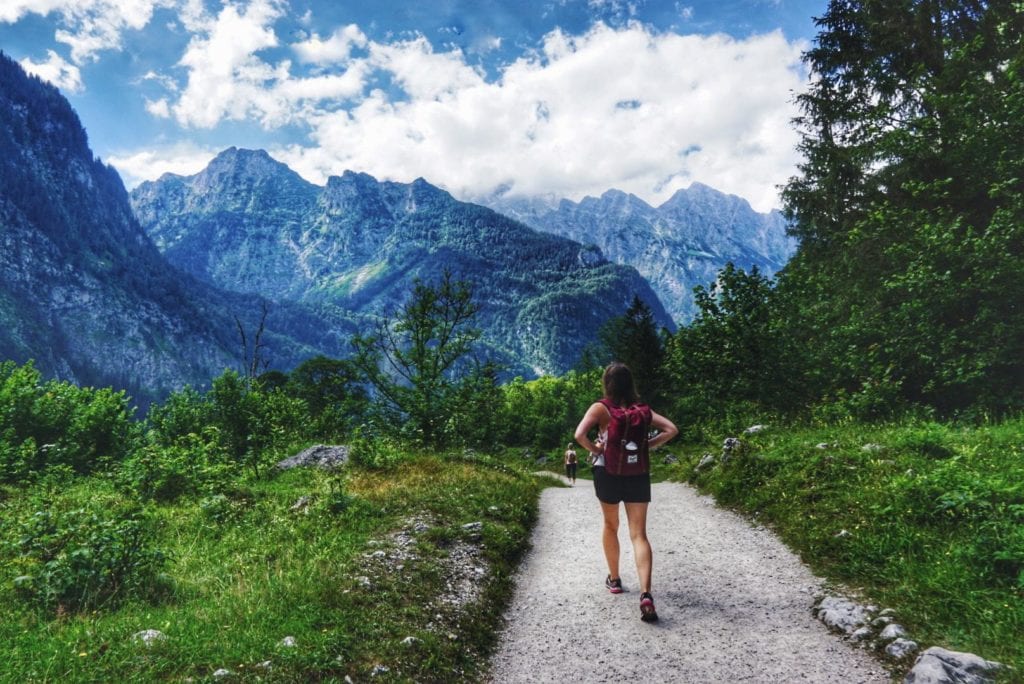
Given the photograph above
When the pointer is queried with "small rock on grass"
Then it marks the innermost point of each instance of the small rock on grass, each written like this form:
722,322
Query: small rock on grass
940,666
901,648
149,636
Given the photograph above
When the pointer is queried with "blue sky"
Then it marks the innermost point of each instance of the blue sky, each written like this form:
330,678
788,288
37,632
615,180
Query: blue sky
563,98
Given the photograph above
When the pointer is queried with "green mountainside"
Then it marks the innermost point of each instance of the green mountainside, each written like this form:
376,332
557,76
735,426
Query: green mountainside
84,292
250,224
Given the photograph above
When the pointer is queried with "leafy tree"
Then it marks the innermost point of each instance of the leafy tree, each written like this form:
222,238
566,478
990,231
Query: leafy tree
908,275
634,339
413,359
333,391
732,354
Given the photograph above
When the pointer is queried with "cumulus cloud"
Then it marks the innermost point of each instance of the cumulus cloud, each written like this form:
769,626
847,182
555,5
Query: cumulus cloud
184,160
57,71
624,107
87,26
576,120
335,49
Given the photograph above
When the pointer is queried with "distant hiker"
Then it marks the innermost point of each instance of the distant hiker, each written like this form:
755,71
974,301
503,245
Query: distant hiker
570,462
622,472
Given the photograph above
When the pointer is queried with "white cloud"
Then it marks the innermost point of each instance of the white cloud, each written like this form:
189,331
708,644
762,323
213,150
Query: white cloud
183,160
579,120
627,107
159,108
57,71
87,26
335,49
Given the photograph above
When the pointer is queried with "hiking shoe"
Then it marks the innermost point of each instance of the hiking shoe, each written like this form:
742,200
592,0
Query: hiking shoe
614,585
647,612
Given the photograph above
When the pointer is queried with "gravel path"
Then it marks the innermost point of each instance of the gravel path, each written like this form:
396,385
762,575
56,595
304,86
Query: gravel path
734,602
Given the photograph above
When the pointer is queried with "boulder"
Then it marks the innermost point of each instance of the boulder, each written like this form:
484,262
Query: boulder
901,648
319,456
842,614
939,666
149,636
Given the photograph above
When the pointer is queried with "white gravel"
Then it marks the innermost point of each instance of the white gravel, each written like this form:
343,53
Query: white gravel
734,602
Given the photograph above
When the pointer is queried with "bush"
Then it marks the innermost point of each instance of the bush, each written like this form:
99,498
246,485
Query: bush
84,558
57,423
195,465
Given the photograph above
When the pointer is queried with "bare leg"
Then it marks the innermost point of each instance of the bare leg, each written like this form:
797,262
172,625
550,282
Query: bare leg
610,537
636,516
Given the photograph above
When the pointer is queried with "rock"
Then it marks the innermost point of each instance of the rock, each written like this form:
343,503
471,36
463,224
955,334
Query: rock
755,429
670,459
872,448
939,666
320,456
379,670
265,665
823,445
842,533
288,642
892,631
473,526
901,648
149,636
410,641
732,446
861,634
222,672
881,620
706,461
842,614
302,504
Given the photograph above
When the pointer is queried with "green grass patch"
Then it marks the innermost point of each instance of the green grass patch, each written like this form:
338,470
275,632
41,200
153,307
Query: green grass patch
373,557
925,518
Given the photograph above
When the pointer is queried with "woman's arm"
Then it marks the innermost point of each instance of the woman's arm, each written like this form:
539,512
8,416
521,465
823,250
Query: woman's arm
591,420
667,430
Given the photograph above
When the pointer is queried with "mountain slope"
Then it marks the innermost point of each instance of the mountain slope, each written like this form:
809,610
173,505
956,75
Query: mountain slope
680,244
250,224
83,290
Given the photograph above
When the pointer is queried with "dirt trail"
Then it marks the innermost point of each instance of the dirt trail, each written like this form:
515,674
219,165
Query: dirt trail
735,603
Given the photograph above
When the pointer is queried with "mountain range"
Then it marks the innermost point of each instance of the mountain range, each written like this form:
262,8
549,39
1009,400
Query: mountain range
682,243
248,223
150,291
83,290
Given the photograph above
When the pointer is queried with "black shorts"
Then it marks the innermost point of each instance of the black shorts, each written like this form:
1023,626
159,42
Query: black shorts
627,488
570,470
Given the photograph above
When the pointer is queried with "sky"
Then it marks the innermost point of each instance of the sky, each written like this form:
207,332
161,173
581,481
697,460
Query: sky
555,98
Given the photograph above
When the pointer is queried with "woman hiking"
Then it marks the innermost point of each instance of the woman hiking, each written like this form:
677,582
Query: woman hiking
622,472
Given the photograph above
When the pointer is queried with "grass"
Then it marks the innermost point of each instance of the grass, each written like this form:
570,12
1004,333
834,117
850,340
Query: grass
366,565
933,518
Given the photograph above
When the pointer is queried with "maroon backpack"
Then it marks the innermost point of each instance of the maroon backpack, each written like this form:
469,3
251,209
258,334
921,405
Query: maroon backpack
626,450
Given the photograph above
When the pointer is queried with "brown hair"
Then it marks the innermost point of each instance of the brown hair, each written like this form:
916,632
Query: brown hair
618,384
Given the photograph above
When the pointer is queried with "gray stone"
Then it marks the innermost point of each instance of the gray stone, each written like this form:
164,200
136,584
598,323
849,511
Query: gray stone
842,533
670,459
822,445
706,461
872,448
149,636
473,526
940,666
901,648
302,504
222,672
320,456
893,631
755,429
288,642
842,614
411,641
861,634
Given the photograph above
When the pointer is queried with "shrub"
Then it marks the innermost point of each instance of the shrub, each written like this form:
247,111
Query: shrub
57,423
84,558
195,465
